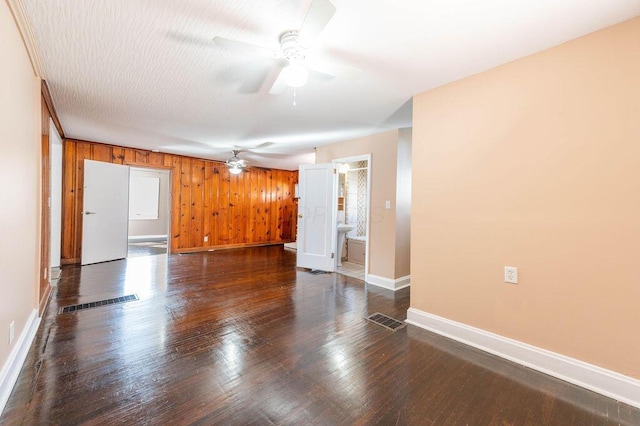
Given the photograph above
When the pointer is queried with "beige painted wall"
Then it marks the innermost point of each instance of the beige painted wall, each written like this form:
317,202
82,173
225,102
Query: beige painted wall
20,177
536,164
403,204
383,148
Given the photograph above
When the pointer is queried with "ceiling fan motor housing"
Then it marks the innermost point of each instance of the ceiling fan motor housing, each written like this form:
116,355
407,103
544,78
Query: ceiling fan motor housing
290,47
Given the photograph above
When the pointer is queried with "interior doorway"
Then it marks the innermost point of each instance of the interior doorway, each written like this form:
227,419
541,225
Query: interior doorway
149,214
353,200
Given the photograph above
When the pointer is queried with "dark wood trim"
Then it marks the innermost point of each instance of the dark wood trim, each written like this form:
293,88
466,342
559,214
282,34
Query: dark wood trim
147,151
73,261
45,208
229,247
143,151
146,166
46,94
44,301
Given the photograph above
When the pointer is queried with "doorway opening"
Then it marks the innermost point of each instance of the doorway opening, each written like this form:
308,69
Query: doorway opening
352,215
148,212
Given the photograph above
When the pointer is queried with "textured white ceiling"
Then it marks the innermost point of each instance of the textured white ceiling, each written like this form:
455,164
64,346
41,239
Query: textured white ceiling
145,73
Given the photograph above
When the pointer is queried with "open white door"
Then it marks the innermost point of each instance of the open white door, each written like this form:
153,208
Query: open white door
105,213
316,240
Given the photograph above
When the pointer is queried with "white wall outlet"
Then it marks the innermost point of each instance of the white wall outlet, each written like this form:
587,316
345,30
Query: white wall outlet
387,204
511,274
12,329
206,238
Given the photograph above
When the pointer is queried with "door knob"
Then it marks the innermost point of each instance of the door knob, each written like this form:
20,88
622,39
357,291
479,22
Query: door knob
300,215
89,212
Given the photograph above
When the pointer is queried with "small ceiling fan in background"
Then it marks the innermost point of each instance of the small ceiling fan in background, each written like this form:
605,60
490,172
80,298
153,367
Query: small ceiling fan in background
295,46
254,152
235,164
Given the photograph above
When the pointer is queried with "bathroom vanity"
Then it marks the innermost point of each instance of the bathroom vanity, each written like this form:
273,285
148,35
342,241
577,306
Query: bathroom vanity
356,247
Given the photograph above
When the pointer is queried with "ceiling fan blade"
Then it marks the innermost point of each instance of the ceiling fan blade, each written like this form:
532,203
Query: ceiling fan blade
262,146
319,14
279,85
189,39
333,69
242,47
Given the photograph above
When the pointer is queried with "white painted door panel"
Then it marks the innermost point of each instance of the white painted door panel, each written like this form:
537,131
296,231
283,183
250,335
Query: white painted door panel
105,213
316,242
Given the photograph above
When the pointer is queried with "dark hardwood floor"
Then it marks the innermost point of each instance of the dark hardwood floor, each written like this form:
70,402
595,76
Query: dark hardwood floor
243,337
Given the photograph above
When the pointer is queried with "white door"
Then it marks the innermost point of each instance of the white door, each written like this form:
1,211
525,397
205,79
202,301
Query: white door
316,217
105,213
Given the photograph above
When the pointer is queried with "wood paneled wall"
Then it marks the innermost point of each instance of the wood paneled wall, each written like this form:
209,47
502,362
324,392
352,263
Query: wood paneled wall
255,207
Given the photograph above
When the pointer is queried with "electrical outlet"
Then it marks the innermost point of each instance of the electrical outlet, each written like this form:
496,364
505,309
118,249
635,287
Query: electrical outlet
12,328
206,238
511,274
387,204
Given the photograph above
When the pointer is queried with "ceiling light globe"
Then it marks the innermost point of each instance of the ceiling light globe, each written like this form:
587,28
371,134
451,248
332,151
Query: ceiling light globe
235,170
295,74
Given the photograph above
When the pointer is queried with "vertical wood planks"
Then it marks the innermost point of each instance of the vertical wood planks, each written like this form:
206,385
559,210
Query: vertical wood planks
83,152
206,206
117,155
174,227
276,203
246,208
223,207
215,205
101,153
185,201
206,201
155,159
69,201
196,237
235,232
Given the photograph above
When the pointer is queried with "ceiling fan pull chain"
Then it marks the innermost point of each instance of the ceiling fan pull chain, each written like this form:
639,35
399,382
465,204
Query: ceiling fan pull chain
294,96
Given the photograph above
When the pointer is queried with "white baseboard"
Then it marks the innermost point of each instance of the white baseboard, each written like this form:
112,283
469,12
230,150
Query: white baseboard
606,382
134,238
388,283
13,365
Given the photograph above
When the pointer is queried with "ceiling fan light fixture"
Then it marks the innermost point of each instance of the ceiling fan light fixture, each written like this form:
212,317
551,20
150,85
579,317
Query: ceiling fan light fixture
295,74
235,165
235,170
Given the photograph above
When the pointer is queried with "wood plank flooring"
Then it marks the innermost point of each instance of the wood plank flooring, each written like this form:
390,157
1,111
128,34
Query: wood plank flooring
243,337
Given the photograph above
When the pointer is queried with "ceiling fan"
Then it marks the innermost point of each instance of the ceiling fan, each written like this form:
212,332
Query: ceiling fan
294,49
235,164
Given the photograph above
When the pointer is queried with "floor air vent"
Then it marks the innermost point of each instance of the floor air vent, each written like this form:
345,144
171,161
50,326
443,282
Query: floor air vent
81,306
317,272
386,322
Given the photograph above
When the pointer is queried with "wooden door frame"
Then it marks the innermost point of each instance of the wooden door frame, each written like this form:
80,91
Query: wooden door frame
47,112
44,288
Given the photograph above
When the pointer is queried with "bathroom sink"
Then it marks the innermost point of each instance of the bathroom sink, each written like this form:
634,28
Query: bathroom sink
342,231
342,227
